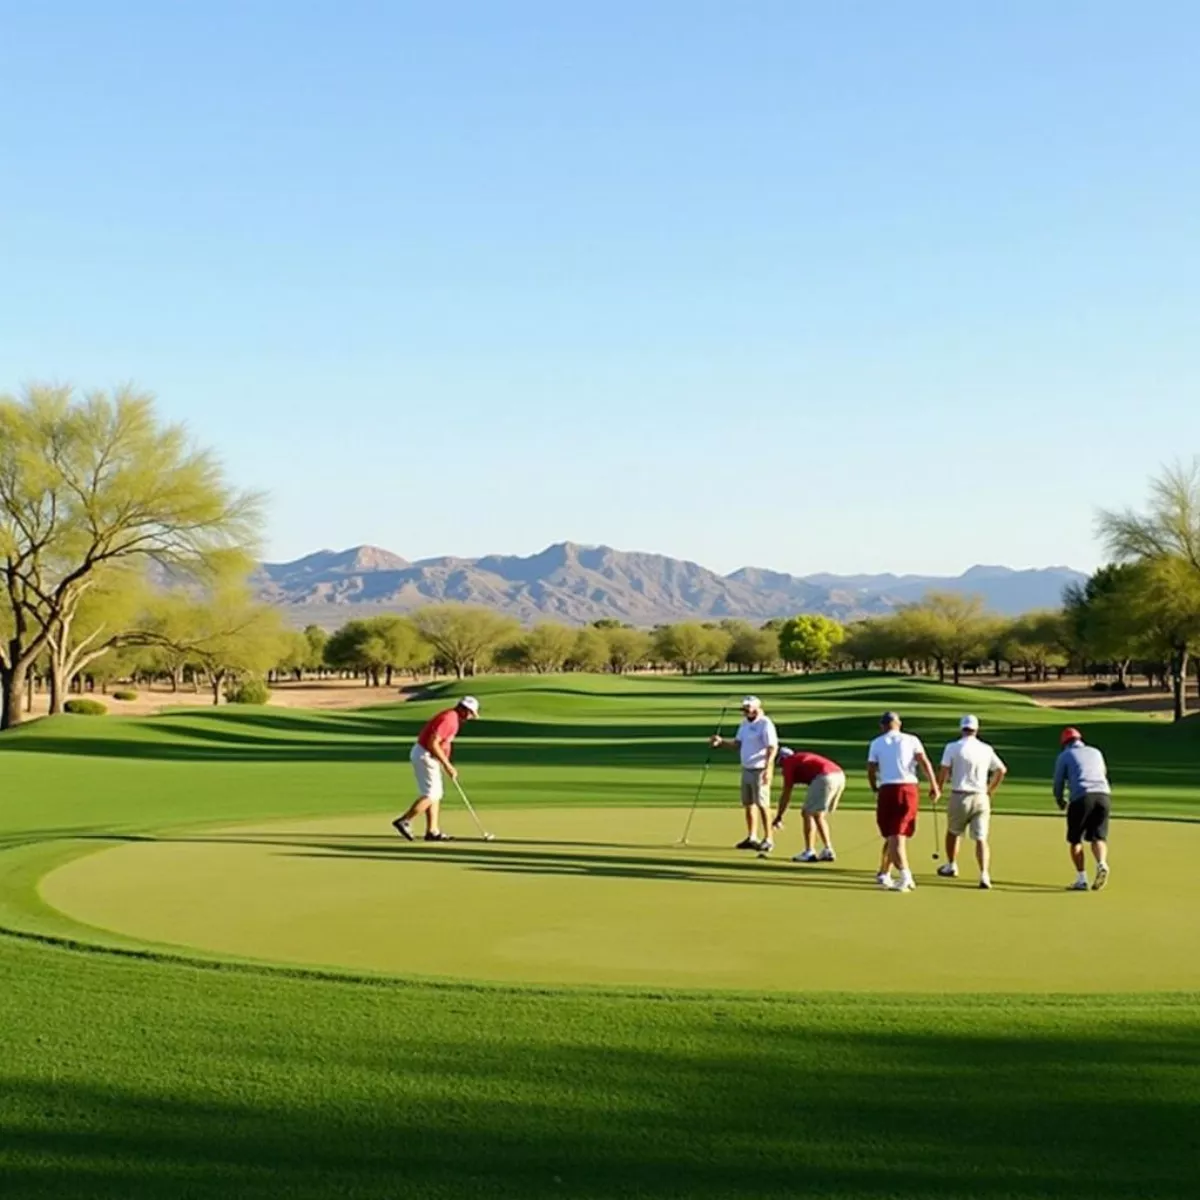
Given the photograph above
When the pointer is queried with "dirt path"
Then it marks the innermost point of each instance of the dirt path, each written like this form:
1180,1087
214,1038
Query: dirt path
1077,693
326,694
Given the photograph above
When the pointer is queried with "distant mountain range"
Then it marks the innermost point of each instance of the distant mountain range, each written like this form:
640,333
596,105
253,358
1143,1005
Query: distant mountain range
578,584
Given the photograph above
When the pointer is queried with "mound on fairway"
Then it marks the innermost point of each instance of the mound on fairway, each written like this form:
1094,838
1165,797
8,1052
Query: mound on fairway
598,896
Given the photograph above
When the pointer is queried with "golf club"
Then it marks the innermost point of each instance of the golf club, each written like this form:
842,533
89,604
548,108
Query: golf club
487,837
937,837
683,841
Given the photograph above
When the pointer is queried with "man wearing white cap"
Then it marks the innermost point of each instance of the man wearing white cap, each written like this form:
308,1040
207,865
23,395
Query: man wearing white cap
758,743
975,771
430,756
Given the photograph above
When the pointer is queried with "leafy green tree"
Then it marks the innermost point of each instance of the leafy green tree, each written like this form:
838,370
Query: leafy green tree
293,655
1103,619
232,638
1165,541
1038,641
463,636
589,652
809,640
948,628
1168,608
548,645
869,642
754,649
105,619
691,646
94,482
625,649
376,647
316,639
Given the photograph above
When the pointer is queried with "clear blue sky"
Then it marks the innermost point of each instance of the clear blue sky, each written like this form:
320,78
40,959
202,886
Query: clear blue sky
815,286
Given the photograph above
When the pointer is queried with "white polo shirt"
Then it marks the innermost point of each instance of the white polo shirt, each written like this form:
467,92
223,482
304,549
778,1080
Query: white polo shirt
756,739
895,754
971,762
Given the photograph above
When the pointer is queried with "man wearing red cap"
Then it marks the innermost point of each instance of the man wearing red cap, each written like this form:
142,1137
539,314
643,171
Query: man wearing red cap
430,756
1082,774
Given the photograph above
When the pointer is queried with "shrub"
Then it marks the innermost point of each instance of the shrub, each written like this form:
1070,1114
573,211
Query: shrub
1118,685
1099,686
126,695
249,691
85,708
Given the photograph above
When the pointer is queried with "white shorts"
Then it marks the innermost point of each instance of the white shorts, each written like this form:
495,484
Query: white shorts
428,771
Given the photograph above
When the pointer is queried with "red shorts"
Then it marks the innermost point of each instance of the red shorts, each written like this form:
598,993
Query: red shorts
896,809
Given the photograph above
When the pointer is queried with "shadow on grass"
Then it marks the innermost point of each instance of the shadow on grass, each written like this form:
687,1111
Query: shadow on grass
734,1108
584,859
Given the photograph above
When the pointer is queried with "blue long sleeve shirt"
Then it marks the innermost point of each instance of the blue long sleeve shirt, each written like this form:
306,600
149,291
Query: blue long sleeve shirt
1082,771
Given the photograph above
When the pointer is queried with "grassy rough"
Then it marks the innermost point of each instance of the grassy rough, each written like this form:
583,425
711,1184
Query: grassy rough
141,1078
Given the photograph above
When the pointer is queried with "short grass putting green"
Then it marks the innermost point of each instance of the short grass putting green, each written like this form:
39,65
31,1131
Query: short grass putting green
599,896
127,1073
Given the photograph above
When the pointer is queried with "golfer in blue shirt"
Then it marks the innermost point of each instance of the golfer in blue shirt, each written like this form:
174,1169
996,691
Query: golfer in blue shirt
1082,775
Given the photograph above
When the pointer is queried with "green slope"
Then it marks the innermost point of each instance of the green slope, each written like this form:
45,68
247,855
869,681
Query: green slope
140,1078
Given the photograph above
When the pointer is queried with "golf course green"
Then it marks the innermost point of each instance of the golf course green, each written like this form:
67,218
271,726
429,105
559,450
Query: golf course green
221,972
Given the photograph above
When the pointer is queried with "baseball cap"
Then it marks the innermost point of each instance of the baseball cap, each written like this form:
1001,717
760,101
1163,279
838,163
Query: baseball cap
786,752
470,704
970,721
751,702
1069,735
888,717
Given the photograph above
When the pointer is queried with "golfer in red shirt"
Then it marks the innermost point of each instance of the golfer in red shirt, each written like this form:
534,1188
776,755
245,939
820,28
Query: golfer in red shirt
430,757
825,782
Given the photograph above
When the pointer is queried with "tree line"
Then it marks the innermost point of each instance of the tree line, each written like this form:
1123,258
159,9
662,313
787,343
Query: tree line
124,553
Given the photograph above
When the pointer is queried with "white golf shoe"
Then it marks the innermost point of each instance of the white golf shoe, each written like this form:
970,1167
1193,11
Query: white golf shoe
827,855
948,870
1101,877
805,856
1080,885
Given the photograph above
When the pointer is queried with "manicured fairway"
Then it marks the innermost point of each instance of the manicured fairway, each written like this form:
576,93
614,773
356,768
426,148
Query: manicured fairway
128,1071
562,900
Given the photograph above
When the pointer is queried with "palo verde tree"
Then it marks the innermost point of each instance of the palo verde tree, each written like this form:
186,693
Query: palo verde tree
94,482
1165,539
110,615
464,636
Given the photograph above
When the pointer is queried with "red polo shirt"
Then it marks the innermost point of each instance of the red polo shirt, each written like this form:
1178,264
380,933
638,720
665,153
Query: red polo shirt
803,767
445,726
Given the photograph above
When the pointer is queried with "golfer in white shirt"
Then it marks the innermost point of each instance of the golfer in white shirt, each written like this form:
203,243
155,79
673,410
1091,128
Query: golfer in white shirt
975,771
758,743
892,763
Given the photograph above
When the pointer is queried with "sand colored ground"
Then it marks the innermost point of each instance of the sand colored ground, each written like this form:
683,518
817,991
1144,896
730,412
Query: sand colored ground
327,695
594,896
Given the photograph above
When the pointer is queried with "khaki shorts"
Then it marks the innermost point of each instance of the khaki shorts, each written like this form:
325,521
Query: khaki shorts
753,790
824,793
428,772
969,811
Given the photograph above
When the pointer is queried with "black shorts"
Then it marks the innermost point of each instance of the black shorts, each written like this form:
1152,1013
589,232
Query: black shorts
1087,818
